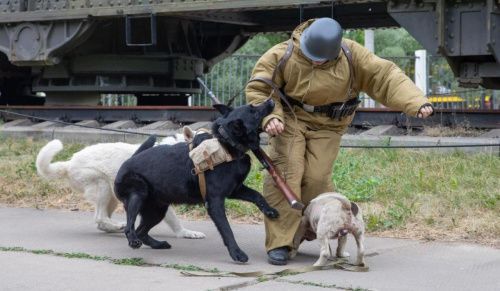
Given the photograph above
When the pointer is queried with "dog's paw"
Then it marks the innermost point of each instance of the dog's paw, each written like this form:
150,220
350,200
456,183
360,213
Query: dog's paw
271,213
238,256
360,262
161,245
343,255
135,243
191,234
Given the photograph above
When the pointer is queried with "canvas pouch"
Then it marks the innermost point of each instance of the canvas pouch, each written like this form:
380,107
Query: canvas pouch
209,154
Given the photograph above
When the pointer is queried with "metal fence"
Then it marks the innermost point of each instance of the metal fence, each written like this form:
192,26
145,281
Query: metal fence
228,78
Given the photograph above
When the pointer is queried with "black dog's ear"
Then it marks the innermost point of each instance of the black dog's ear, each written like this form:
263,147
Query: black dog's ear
354,208
237,127
223,109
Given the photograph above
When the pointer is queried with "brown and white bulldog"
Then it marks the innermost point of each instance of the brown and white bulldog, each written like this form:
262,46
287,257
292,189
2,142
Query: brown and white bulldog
329,216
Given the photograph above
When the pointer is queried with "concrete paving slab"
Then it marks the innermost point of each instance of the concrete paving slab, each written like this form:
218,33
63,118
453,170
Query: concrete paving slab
122,124
42,272
47,125
280,284
201,124
381,130
424,266
494,133
161,125
395,264
86,135
91,123
372,140
18,122
66,231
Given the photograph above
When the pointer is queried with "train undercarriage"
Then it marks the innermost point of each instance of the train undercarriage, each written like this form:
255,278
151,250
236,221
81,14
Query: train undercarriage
74,52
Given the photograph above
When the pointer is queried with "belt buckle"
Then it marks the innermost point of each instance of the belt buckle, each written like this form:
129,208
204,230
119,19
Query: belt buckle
307,107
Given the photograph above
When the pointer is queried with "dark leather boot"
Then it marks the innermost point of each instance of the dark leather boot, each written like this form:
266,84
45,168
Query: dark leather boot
278,256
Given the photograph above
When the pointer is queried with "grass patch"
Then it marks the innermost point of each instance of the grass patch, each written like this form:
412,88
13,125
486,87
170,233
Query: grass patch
129,261
191,268
464,130
83,256
124,262
321,285
420,194
57,254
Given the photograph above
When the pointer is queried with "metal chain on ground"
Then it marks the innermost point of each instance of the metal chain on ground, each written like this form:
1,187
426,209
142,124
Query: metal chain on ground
160,135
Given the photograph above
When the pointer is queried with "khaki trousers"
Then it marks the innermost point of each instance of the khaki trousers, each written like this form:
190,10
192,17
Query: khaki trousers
305,158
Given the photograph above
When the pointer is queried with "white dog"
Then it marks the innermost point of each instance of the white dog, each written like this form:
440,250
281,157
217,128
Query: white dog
92,171
330,216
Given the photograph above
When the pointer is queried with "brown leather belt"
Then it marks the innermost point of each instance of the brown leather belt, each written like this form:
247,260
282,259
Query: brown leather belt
337,110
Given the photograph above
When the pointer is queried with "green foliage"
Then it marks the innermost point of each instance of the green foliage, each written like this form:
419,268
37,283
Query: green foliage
42,252
346,179
68,150
255,178
26,169
129,261
191,268
403,186
358,35
395,217
395,40
81,256
260,43
12,249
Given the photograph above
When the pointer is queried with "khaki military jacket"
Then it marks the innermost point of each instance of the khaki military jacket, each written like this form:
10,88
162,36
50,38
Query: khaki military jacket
322,84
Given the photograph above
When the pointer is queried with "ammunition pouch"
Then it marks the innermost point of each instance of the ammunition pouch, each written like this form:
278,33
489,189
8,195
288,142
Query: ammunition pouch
208,154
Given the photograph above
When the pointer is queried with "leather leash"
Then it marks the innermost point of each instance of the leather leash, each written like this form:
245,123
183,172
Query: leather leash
338,263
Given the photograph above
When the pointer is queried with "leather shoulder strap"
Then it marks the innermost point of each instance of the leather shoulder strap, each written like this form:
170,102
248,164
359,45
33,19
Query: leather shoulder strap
281,67
284,59
352,75
275,89
202,183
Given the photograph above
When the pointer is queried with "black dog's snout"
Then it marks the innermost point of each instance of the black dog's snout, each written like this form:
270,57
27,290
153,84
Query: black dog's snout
267,107
271,102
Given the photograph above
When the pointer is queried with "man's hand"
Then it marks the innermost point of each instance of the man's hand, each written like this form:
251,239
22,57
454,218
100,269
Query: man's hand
274,127
425,111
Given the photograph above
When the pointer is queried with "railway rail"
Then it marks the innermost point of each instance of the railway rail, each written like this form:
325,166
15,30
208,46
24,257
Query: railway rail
365,117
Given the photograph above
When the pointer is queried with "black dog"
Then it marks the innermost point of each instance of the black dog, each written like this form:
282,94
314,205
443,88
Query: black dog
153,178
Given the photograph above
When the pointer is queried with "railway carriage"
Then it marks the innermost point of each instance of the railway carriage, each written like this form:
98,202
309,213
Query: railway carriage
75,50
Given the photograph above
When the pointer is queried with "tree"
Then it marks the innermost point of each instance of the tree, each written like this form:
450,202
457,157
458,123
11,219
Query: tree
261,42
395,42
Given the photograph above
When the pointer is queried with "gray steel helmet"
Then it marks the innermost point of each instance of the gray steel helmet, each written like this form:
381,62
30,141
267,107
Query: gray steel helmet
321,40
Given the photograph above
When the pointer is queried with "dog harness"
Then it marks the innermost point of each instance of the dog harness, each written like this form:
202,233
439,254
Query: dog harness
206,156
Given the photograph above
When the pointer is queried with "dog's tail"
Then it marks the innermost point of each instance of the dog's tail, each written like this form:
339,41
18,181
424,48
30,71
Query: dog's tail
346,204
44,167
149,143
